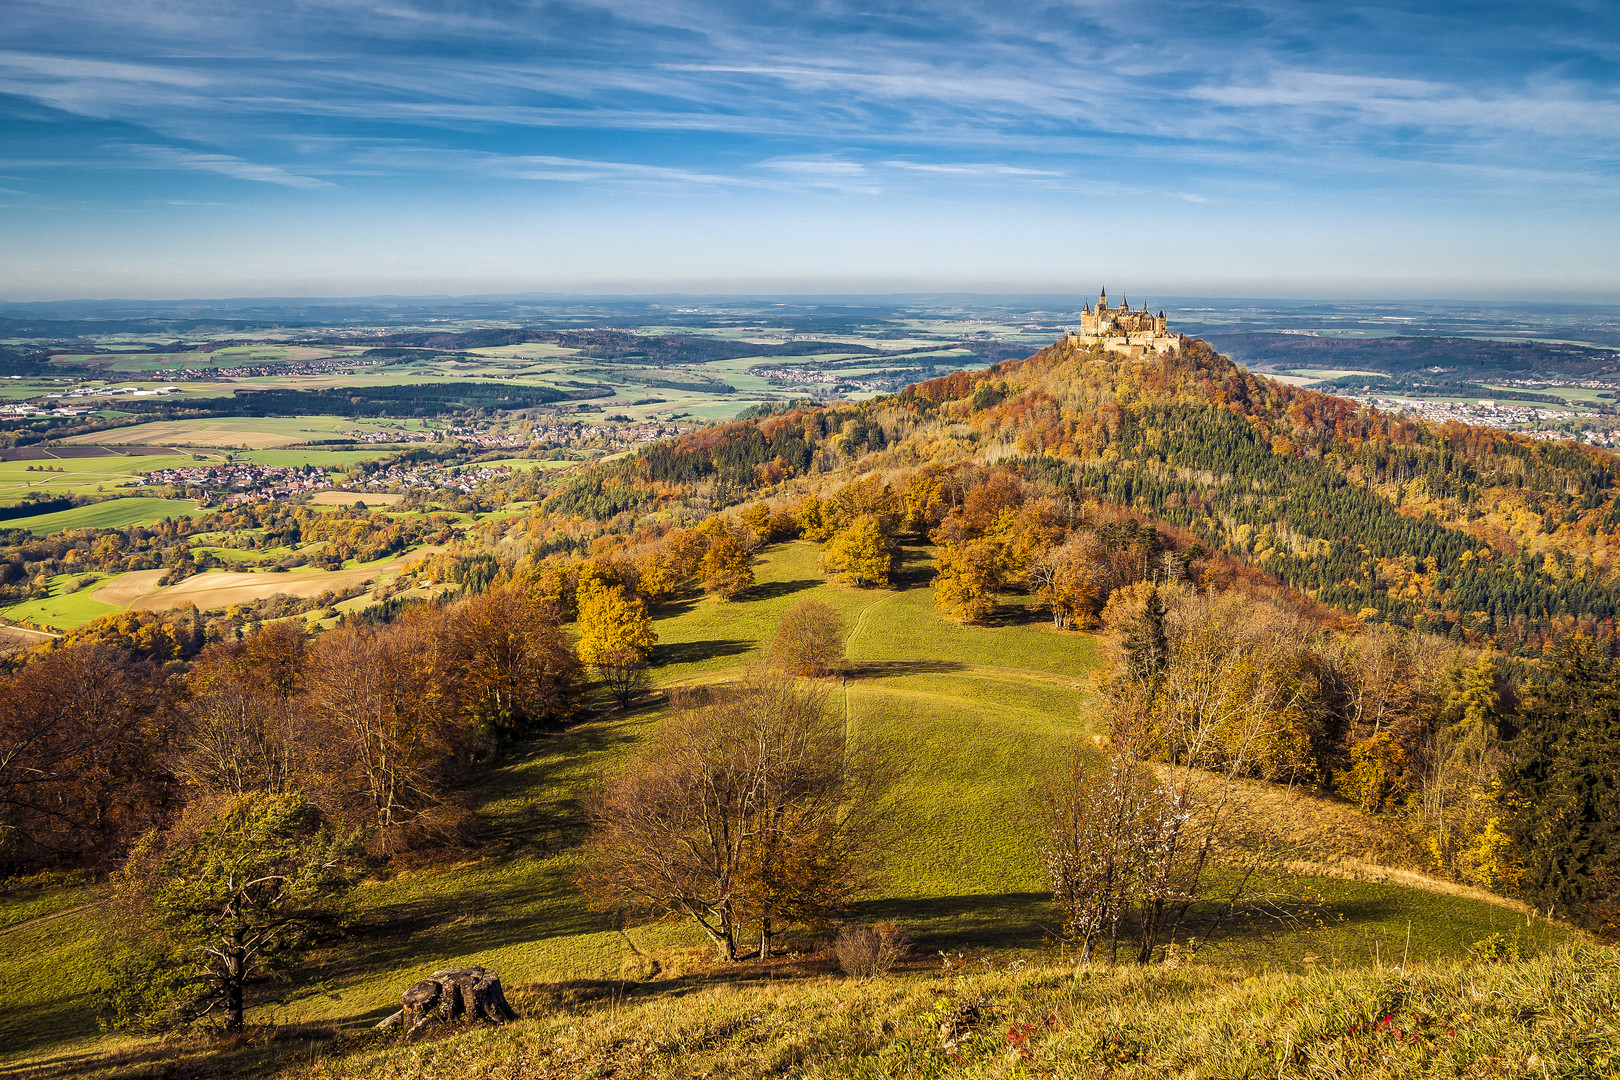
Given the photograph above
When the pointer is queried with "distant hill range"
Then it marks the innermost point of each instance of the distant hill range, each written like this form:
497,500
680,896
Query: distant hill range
1457,356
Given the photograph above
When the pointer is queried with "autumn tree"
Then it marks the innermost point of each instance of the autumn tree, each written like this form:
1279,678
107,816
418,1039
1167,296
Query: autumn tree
235,891
616,637
83,735
863,554
868,497
1071,580
966,580
391,744
245,723
750,808
727,564
809,640
507,664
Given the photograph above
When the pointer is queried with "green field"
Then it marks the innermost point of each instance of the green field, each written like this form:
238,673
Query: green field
113,514
978,715
81,476
62,610
235,433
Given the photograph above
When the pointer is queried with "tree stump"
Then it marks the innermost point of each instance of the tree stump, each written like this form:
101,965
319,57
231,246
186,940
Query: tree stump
448,995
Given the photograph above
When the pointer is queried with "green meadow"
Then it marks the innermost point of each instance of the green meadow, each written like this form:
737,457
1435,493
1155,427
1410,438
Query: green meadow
113,514
976,717
319,456
63,610
83,476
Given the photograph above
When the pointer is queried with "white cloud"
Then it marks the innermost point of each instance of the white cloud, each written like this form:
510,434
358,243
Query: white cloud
226,165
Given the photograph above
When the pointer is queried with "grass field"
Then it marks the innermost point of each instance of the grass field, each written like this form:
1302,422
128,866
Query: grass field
61,610
978,714
79,475
113,514
254,433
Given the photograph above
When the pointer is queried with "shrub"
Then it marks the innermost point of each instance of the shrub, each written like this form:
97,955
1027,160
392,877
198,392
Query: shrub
869,952
809,640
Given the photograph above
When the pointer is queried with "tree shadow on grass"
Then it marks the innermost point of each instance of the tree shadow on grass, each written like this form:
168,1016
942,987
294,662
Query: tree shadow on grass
675,606
38,1025
771,590
916,570
255,1053
693,652
957,923
877,669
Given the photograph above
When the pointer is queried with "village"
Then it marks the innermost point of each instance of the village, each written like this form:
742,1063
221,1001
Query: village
1533,420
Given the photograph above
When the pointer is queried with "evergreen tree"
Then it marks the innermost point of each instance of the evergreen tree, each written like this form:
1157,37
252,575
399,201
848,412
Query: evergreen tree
1562,779
1147,646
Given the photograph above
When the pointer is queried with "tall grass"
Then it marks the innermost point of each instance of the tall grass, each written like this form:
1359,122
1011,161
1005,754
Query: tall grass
1552,1016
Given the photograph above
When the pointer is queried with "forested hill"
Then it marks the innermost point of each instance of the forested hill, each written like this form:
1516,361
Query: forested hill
1465,531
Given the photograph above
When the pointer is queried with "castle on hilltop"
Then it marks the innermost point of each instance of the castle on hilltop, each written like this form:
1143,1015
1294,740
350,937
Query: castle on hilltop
1121,330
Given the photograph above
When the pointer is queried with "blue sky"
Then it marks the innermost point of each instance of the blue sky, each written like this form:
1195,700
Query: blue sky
166,148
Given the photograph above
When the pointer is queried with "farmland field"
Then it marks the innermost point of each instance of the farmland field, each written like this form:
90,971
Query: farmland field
256,433
62,610
222,588
81,475
318,456
349,498
113,514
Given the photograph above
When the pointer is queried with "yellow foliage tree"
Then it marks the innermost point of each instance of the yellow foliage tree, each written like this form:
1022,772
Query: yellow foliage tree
966,579
615,637
863,554
727,567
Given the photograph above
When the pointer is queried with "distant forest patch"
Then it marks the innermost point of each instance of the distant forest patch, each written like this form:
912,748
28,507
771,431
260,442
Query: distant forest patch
414,400
1403,355
613,346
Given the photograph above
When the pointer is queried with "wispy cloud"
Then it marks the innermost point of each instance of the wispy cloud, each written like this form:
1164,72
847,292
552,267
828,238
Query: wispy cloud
1242,107
225,165
943,168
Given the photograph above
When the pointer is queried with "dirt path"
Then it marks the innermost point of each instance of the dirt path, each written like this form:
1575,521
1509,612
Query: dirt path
23,635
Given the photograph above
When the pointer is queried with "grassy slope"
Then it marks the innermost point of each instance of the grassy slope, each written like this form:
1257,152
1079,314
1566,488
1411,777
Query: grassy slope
1554,1016
79,475
114,514
980,712
61,610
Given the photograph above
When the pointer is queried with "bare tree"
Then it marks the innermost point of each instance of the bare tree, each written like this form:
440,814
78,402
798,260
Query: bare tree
1132,842
389,743
751,807
244,713
809,640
